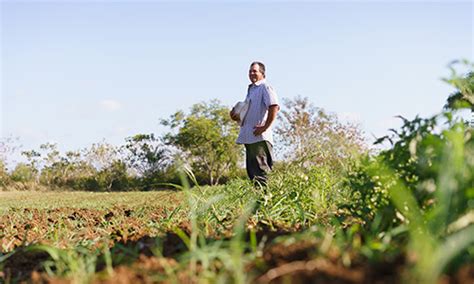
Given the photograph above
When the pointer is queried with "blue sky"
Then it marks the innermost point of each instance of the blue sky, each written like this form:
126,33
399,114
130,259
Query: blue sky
76,73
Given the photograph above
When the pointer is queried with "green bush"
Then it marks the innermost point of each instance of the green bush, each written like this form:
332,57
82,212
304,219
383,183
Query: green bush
114,177
367,195
303,196
24,173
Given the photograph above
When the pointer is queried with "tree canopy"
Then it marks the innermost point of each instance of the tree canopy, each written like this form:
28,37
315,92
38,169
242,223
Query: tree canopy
206,137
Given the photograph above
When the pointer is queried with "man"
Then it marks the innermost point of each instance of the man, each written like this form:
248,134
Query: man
255,130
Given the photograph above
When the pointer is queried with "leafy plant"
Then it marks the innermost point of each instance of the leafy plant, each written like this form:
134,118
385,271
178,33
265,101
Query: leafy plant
444,230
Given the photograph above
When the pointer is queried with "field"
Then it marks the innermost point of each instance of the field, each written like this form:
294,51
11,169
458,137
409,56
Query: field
67,220
202,234
140,233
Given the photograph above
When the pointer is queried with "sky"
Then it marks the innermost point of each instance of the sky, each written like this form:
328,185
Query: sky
81,72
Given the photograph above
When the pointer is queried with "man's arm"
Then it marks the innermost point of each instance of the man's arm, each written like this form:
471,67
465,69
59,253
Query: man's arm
272,113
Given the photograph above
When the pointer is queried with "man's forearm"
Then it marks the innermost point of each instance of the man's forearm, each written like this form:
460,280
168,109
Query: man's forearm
272,113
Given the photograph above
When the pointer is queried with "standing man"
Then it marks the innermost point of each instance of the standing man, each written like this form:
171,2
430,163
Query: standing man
255,130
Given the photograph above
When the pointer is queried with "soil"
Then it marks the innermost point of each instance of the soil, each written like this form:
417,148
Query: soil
117,224
135,259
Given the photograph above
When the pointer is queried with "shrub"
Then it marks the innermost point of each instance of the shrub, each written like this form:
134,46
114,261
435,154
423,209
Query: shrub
24,173
114,177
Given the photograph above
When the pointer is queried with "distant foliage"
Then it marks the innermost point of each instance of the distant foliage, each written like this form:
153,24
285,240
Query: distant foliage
4,177
146,155
113,177
151,161
7,146
64,170
24,173
312,137
98,168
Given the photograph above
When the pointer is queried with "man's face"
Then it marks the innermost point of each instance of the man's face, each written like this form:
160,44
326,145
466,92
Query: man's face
255,74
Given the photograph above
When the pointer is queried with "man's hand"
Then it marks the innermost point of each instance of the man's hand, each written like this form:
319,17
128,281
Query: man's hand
234,116
259,129
272,113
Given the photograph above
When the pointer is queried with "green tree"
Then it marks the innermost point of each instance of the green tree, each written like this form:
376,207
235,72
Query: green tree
206,137
150,160
108,169
114,177
56,169
146,155
67,170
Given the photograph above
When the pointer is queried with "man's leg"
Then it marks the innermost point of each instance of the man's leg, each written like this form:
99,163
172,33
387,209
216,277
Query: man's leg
259,161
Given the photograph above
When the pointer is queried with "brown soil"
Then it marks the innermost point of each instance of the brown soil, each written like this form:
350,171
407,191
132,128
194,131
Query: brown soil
21,264
294,263
135,259
75,225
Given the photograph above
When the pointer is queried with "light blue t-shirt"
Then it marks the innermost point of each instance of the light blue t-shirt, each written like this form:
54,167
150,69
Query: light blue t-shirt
260,97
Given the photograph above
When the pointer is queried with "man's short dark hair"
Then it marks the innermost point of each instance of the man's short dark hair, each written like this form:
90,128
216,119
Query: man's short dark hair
260,65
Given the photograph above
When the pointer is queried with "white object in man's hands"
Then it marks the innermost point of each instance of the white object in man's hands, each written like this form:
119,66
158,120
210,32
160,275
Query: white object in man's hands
241,109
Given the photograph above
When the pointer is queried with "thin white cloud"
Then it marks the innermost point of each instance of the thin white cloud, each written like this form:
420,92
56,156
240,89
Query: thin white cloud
110,105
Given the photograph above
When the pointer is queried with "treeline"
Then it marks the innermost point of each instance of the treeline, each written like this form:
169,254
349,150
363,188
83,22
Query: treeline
201,141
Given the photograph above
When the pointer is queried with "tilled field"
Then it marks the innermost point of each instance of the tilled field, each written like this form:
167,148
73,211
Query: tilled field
151,244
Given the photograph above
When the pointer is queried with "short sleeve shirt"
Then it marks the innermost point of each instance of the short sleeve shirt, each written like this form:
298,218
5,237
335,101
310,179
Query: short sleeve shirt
260,97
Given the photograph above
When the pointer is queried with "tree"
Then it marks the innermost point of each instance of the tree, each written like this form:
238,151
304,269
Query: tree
311,136
68,170
150,160
100,155
114,177
109,170
206,137
146,155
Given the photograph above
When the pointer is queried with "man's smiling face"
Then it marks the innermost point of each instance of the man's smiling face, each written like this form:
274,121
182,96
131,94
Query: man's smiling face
255,74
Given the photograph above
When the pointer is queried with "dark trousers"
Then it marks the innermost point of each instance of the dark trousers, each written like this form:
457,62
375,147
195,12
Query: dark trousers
259,161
